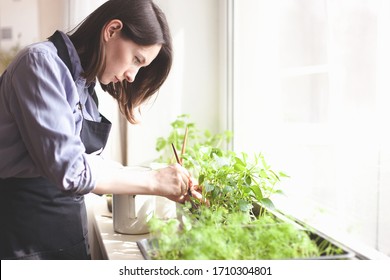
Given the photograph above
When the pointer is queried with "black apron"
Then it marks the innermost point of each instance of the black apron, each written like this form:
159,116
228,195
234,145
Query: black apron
38,220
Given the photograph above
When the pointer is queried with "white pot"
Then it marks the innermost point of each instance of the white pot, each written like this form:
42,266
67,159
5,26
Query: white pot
131,213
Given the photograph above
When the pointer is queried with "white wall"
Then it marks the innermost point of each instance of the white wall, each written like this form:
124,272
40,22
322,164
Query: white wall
22,16
53,15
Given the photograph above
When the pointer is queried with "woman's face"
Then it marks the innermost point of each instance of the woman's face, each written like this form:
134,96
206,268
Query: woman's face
124,57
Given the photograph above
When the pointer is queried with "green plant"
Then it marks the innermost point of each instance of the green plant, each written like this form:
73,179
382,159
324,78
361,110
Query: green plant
217,235
238,221
234,182
195,141
230,181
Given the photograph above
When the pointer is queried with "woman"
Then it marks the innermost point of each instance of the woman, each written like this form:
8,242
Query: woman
51,133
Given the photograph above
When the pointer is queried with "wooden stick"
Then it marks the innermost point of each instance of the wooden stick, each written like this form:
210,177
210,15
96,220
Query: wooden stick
179,162
176,155
183,147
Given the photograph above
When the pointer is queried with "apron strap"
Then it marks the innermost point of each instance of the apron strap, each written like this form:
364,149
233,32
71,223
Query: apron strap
62,50
63,53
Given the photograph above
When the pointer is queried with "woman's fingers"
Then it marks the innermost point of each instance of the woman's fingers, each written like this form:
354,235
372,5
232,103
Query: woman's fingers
187,180
181,186
196,192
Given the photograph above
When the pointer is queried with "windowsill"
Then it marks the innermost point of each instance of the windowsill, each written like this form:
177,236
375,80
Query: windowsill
319,223
108,244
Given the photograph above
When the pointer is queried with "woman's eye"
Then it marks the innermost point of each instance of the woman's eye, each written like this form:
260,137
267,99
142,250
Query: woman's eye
137,61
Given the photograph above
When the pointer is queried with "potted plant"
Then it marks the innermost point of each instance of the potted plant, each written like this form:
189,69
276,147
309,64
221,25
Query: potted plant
239,220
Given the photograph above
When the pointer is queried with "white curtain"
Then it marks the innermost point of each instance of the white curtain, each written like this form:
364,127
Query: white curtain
310,92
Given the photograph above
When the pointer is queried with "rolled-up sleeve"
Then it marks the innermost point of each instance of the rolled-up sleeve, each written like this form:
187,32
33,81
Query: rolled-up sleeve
44,107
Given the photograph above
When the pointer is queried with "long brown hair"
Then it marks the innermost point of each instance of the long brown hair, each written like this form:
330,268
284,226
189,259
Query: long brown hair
143,23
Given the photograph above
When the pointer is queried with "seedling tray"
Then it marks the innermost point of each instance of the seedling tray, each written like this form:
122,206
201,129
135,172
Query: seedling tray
147,246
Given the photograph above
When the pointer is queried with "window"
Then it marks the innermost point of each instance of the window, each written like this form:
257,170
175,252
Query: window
310,93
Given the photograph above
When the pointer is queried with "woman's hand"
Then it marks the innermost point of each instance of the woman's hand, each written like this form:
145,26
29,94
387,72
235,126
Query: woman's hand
174,182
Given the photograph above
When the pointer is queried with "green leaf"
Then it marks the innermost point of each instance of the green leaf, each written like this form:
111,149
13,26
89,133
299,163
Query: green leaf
239,165
267,203
279,192
227,189
244,205
263,174
216,151
257,191
201,179
281,174
239,161
178,124
160,144
248,180
209,187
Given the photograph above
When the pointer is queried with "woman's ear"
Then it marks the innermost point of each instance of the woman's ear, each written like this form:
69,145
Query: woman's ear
111,29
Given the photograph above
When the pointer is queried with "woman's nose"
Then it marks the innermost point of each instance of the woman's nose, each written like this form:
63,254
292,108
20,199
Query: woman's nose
130,75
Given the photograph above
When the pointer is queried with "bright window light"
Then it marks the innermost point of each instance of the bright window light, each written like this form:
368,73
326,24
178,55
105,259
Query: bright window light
311,92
